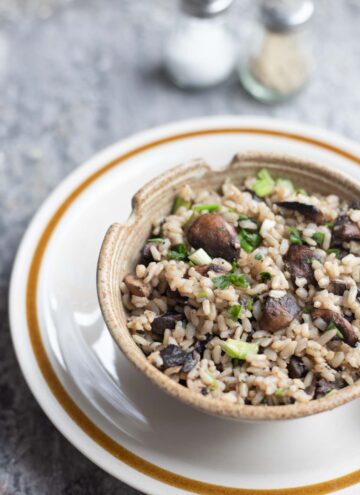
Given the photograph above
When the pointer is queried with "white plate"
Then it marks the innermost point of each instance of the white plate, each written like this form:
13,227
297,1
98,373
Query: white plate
96,398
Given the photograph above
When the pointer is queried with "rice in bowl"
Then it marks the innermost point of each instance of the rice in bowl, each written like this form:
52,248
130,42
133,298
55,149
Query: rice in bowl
249,294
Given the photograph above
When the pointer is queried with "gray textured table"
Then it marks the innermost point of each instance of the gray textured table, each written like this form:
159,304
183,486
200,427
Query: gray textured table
75,76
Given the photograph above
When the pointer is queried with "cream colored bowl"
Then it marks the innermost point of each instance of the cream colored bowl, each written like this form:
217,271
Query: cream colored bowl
120,252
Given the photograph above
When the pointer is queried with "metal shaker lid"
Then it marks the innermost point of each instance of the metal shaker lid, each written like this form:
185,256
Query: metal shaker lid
286,15
205,8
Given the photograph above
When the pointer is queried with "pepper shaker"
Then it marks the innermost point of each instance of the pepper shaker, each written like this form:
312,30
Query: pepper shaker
279,62
200,52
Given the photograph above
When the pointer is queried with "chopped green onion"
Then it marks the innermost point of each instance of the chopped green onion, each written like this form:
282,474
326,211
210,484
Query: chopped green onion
310,260
210,207
178,252
329,225
285,183
259,257
279,392
333,250
179,202
234,265
332,326
243,217
319,238
200,257
295,236
237,279
264,184
201,295
250,304
235,311
210,380
265,276
302,191
306,310
330,393
249,240
156,240
239,349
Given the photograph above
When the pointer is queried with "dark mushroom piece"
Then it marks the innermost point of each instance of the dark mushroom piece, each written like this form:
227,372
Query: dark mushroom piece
201,344
213,234
173,355
137,287
191,360
175,298
165,321
344,230
308,211
339,321
298,261
278,313
296,367
204,269
337,287
355,205
323,387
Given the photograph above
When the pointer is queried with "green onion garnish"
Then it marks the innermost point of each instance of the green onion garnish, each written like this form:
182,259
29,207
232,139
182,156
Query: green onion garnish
156,240
285,183
295,236
265,276
210,207
200,257
264,184
201,295
235,311
250,304
306,310
179,202
259,257
249,240
178,252
332,326
239,349
302,191
319,238
279,392
237,279
333,250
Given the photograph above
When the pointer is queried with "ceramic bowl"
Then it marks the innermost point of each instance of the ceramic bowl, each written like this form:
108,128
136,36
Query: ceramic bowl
121,249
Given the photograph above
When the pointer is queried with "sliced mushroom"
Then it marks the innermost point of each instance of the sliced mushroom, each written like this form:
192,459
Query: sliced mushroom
342,324
173,355
323,387
175,298
204,269
137,287
213,234
278,313
191,360
309,211
337,287
298,262
201,344
296,367
355,205
165,321
344,230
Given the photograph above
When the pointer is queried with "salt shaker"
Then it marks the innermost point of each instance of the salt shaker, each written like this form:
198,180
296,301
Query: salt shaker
201,51
279,61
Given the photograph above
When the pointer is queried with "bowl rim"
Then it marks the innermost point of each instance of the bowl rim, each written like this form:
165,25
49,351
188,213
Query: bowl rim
133,353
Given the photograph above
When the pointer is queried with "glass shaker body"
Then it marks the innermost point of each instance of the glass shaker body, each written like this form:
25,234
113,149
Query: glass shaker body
278,64
200,52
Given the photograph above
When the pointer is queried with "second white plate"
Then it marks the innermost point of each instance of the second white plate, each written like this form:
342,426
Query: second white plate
96,398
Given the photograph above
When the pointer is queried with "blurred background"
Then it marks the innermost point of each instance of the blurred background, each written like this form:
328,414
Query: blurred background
77,75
